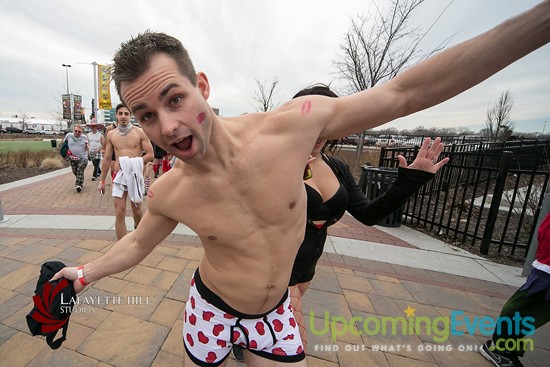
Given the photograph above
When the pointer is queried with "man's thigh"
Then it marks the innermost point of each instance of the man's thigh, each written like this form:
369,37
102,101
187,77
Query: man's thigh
120,203
82,163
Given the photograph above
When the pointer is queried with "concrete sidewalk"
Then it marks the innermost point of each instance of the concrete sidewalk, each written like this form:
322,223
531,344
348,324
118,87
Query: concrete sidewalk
366,273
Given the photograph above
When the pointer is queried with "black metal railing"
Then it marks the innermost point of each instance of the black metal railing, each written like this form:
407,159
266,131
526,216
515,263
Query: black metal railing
488,195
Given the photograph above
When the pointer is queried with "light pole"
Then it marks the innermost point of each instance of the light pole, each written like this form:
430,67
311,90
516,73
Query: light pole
544,128
67,66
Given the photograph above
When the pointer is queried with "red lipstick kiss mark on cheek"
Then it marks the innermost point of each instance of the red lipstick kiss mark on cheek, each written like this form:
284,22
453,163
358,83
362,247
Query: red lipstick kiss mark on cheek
201,117
306,107
150,194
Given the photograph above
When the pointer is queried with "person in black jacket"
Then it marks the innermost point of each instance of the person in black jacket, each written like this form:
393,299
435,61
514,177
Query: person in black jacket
332,190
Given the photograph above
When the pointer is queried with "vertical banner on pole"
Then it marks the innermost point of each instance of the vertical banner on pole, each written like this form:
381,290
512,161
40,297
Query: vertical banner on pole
104,79
66,99
77,108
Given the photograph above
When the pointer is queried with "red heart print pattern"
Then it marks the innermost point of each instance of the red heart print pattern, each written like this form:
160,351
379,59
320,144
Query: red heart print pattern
207,315
236,335
203,338
211,358
260,328
192,319
189,339
277,325
217,329
279,351
292,322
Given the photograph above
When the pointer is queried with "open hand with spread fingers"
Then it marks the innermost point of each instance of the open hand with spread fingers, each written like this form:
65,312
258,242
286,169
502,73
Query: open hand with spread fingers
427,158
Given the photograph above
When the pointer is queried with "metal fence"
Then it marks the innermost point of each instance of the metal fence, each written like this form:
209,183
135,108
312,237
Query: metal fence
489,194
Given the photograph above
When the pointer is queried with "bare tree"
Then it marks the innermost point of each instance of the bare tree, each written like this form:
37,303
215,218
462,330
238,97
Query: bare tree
263,97
499,124
24,118
376,49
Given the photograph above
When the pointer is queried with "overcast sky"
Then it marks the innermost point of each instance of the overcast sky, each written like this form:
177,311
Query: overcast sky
238,42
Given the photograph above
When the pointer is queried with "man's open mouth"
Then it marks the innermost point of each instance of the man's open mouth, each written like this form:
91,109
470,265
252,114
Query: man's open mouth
184,144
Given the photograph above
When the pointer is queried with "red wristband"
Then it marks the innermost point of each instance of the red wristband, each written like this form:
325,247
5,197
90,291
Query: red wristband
80,275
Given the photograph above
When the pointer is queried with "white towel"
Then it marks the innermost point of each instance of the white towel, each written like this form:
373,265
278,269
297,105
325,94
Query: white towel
130,178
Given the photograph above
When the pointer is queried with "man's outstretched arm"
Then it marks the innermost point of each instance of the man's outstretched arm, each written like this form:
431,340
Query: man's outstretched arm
129,251
444,75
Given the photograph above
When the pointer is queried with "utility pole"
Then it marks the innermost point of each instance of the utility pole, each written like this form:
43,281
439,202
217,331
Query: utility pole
67,66
95,94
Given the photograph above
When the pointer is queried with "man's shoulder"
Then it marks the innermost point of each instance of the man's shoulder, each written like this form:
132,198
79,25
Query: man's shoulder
139,131
170,185
259,119
109,133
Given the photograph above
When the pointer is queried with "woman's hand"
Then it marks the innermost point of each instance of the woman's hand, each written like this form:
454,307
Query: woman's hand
427,157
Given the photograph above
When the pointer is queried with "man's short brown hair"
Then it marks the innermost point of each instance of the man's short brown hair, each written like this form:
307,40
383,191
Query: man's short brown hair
134,56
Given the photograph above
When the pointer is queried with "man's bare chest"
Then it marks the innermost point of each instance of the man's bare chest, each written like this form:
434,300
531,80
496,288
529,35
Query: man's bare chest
130,142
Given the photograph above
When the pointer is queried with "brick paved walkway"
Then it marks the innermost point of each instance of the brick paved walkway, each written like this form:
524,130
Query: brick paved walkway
146,331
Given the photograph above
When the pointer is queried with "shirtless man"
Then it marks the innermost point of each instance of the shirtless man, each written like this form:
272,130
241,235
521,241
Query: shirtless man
238,182
113,158
124,141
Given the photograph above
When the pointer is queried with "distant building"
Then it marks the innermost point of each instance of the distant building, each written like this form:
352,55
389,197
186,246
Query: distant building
11,122
38,124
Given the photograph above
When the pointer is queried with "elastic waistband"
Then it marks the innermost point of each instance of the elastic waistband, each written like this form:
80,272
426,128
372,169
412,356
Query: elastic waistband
541,274
219,303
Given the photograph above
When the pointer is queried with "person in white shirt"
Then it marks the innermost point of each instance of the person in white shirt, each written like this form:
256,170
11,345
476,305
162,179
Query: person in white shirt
78,154
96,141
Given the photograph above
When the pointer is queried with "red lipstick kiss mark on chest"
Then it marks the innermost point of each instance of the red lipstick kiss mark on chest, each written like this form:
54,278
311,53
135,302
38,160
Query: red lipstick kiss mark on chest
201,117
306,107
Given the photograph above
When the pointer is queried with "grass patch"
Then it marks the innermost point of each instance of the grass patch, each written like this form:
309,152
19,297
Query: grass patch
25,145
369,155
28,158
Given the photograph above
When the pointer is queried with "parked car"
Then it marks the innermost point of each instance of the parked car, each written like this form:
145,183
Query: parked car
32,131
369,141
350,140
387,141
13,130
2,131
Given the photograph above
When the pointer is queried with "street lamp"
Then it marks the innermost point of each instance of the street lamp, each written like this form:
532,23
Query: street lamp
544,128
67,66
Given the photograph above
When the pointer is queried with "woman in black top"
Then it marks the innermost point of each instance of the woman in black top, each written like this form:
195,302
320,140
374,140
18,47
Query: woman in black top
332,190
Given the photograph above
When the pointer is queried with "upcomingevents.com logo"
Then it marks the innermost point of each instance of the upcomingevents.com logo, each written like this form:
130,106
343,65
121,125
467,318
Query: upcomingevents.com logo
438,328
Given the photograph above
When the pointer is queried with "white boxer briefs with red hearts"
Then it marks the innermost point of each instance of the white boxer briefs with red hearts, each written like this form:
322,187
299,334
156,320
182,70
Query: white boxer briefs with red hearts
211,327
